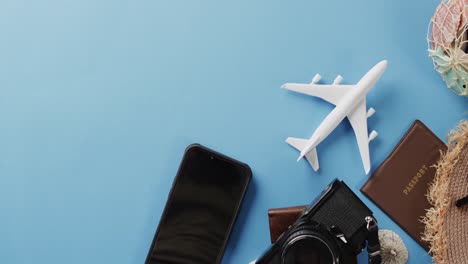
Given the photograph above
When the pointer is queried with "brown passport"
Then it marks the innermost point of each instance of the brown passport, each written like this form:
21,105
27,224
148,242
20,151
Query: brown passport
399,186
281,218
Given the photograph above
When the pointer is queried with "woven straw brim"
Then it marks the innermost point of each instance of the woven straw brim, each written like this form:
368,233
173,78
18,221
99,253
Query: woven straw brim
446,224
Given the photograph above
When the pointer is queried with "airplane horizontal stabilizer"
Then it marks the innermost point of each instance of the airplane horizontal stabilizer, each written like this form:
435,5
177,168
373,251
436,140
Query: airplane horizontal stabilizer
312,158
299,144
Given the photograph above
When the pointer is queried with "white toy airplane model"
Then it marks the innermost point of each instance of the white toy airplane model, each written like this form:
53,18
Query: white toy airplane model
350,101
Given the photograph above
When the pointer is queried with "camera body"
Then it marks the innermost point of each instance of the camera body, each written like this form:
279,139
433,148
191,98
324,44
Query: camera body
333,229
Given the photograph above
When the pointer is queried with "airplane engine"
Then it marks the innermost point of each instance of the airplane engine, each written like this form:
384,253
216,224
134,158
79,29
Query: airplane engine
338,80
316,79
373,135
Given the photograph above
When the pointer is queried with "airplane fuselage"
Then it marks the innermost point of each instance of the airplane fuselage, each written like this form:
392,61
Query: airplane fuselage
344,107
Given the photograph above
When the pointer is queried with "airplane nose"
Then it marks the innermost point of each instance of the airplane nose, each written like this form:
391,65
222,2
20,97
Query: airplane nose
378,69
383,65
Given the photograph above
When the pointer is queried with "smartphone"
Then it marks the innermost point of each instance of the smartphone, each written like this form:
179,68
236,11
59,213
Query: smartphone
201,209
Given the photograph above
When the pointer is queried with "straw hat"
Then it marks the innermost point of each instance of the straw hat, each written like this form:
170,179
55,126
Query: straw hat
446,223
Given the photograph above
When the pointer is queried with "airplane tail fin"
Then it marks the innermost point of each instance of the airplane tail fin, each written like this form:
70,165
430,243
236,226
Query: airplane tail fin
300,144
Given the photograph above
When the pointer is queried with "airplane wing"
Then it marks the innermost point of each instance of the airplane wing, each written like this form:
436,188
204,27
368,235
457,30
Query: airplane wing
331,93
358,120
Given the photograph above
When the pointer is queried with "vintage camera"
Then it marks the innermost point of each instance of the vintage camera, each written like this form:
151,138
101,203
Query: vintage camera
333,229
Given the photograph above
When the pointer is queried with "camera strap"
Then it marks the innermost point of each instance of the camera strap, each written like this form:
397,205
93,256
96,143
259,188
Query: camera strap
373,244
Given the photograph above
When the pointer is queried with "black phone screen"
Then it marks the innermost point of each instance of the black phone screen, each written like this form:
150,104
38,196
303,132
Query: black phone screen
201,209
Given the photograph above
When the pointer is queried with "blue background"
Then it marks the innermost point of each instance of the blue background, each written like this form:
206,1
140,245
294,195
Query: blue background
98,100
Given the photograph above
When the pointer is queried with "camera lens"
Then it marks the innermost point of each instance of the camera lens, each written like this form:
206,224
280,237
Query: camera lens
306,250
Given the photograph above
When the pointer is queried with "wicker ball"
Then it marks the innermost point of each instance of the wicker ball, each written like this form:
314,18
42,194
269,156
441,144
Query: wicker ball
447,38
